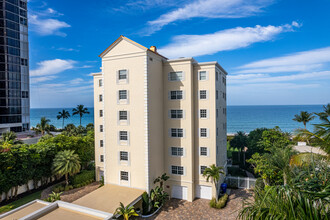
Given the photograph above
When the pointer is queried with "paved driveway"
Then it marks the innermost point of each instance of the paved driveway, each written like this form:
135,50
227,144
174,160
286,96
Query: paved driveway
200,209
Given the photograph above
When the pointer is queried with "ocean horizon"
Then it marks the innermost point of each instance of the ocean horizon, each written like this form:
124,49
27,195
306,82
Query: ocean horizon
239,117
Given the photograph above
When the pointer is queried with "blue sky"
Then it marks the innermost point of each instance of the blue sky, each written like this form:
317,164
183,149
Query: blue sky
275,51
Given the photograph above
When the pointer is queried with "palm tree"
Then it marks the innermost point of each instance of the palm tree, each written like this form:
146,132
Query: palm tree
8,139
126,212
63,114
304,117
66,163
213,172
80,110
43,126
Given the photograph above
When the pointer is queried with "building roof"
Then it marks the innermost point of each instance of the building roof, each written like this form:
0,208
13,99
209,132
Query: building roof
24,210
120,38
108,197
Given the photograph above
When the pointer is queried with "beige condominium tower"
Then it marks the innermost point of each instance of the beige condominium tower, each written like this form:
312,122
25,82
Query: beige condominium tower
154,115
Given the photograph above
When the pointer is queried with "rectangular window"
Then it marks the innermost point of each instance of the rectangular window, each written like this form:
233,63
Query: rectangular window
175,95
217,76
100,98
123,115
122,94
217,131
123,135
177,113
100,82
101,143
203,132
176,76
202,94
177,132
203,113
217,112
101,128
124,175
178,170
217,94
101,113
124,155
203,151
122,74
101,158
202,75
202,169
177,151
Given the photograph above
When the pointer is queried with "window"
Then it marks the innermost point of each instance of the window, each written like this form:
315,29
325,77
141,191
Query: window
123,135
124,155
100,98
202,169
100,82
217,149
176,76
177,151
203,132
178,170
202,94
101,143
202,75
101,113
217,76
122,74
203,151
101,158
123,115
176,132
176,113
101,128
175,95
124,175
122,94
217,94
203,113
217,112
217,131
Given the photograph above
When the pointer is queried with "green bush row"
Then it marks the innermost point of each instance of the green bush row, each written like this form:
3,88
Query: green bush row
83,184
83,177
221,202
61,188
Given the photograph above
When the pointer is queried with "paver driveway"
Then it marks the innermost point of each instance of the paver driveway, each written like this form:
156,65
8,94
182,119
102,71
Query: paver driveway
200,209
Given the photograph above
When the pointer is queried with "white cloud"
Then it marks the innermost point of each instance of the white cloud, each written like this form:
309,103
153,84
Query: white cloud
279,69
265,78
76,81
301,61
210,9
229,39
133,5
47,26
41,79
52,67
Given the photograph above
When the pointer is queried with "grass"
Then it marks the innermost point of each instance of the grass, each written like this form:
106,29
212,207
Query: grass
20,202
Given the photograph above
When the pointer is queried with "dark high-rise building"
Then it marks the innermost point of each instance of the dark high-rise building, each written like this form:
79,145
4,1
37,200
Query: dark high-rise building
14,66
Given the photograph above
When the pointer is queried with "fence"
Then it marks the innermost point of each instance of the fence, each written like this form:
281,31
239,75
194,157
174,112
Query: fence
240,182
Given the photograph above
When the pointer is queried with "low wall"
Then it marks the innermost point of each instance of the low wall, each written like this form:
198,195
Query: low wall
23,189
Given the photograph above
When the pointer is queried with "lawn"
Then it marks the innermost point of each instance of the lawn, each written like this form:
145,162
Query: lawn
20,202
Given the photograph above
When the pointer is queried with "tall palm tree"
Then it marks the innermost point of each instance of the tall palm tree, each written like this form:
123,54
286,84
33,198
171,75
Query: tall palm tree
126,212
63,114
66,163
80,110
43,126
304,117
213,172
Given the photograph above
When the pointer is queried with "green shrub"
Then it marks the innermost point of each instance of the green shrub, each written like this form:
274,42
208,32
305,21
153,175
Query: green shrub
54,197
58,188
221,202
145,203
83,177
260,185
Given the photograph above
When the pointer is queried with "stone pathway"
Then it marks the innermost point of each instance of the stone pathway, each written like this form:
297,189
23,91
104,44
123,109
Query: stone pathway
200,209
74,194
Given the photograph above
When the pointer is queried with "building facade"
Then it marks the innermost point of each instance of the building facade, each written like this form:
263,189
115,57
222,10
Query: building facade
154,115
14,66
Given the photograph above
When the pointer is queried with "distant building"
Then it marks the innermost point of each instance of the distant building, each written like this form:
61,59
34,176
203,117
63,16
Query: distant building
155,115
14,66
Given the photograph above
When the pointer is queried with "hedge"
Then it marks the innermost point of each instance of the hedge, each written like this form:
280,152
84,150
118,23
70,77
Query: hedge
83,178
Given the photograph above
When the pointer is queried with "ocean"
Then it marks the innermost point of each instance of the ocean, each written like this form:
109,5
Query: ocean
239,118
